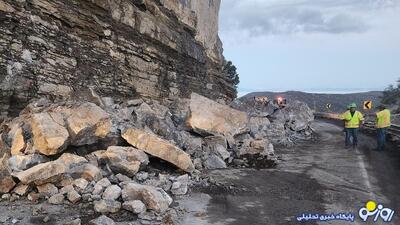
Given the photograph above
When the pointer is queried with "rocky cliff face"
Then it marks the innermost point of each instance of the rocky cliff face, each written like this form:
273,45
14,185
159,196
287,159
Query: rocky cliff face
158,49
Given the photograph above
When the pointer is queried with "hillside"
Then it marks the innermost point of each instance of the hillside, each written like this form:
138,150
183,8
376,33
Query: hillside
319,101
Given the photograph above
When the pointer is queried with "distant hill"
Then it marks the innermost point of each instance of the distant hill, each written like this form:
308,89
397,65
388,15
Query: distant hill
318,102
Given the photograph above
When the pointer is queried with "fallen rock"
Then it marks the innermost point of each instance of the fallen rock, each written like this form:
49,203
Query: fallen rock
86,171
180,186
214,162
112,192
217,145
47,189
158,147
50,171
87,124
6,181
125,160
50,137
18,144
135,206
154,198
209,117
74,196
100,186
107,206
74,222
102,220
22,162
21,189
80,184
56,199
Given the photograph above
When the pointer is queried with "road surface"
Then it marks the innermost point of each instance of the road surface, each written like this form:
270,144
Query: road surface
319,176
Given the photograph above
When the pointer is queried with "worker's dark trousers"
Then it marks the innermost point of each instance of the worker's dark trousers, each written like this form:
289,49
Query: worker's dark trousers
351,133
381,138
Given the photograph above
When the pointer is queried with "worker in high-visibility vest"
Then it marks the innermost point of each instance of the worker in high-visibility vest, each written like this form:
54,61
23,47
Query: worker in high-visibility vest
382,125
352,121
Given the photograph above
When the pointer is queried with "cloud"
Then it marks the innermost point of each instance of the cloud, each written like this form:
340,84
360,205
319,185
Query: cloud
276,17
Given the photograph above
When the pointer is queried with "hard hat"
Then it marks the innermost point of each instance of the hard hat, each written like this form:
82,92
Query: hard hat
353,105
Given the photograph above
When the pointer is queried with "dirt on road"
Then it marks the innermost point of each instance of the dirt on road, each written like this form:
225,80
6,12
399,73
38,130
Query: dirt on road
319,176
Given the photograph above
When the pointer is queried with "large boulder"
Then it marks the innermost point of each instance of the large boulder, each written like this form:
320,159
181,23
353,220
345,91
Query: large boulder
209,117
22,162
50,171
125,160
154,198
87,123
50,137
6,181
158,147
18,142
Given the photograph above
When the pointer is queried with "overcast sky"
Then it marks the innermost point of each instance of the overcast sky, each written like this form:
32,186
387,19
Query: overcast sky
312,45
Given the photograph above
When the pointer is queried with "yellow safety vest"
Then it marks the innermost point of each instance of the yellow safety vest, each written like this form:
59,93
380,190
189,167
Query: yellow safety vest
383,119
352,121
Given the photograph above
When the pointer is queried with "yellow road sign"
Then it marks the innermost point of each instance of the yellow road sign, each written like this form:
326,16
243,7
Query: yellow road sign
368,105
328,106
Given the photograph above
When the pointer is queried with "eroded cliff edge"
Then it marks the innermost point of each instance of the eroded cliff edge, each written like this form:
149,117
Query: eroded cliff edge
158,49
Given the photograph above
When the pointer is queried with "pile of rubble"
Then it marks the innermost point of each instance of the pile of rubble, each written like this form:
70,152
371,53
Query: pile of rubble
102,153
281,124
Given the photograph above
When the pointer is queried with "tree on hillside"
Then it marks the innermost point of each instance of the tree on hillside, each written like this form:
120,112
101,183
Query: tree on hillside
391,95
231,73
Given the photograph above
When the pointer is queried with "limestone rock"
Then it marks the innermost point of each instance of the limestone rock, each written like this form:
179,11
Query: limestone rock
209,117
135,206
81,184
47,189
100,186
50,137
180,186
6,181
73,196
107,206
158,147
214,162
22,162
56,199
50,171
102,220
125,160
87,123
112,192
153,198
18,144
21,189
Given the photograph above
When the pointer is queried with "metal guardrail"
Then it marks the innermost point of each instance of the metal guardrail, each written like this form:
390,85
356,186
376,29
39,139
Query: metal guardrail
394,130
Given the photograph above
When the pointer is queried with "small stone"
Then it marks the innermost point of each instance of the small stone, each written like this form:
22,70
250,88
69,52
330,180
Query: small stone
74,222
135,206
102,220
67,189
73,196
107,206
14,221
112,192
123,178
180,186
33,196
21,189
80,184
100,186
47,189
56,199
6,196
142,176
46,219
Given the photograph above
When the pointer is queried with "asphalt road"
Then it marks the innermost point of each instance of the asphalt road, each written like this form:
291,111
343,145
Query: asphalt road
319,176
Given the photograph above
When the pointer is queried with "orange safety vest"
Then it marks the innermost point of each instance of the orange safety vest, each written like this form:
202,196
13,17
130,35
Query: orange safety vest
352,121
